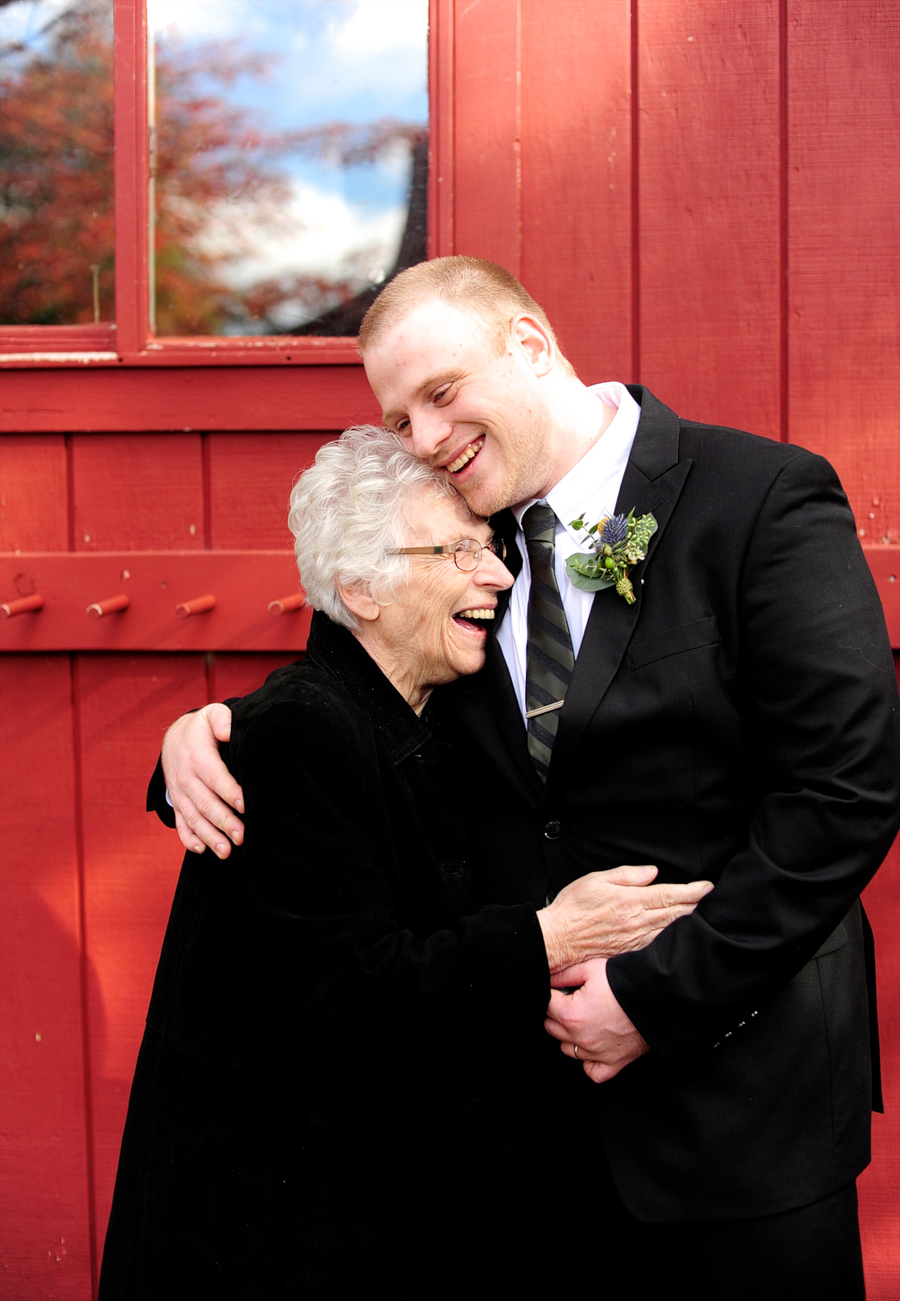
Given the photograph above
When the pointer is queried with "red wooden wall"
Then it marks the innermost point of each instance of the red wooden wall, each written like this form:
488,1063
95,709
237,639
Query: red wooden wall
704,197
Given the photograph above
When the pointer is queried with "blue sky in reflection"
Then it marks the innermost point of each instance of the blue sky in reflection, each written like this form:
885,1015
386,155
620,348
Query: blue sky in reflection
352,61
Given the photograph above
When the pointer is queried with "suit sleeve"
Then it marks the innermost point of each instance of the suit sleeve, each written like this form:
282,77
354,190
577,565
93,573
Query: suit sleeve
156,791
320,865
820,707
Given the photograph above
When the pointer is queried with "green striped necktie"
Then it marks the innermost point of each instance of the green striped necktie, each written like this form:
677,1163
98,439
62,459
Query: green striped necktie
550,659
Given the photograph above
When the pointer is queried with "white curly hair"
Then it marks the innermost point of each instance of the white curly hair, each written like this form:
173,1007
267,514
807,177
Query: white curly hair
349,509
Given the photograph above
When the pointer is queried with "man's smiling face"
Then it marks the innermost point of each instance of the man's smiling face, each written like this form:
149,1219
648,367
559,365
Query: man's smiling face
466,404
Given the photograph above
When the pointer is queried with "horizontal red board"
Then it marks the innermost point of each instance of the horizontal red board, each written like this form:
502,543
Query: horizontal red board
101,399
156,583
242,582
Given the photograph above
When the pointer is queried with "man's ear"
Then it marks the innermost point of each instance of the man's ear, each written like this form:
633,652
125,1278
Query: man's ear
359,601
535,342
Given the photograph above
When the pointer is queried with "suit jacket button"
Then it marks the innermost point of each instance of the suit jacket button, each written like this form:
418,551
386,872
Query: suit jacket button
552,830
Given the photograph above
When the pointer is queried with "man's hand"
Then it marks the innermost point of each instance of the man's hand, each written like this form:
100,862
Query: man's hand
592,1019
203,792
605,913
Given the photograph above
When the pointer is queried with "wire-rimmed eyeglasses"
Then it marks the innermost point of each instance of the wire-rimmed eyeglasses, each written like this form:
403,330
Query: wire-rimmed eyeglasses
465,554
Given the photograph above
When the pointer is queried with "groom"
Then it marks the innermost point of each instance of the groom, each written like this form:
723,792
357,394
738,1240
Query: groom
737,721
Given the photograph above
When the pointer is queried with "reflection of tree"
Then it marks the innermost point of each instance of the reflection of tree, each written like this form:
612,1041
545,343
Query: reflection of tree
337,303
56,184
346,316
218,177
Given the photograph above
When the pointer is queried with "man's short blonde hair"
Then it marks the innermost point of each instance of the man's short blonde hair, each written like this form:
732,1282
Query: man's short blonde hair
470,283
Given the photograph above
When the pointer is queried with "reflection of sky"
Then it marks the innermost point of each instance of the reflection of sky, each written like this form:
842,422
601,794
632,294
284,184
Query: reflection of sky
352,61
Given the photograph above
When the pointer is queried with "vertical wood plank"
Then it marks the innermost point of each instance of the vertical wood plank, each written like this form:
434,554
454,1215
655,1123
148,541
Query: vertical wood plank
843,69
879,1186
236,675
33,494
486,130
46,1177
45,1181
576,178
844,248
133,492
709,210
130,491
250,480
131,864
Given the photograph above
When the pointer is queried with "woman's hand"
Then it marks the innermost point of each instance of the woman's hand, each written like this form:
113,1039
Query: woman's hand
203,792
605,913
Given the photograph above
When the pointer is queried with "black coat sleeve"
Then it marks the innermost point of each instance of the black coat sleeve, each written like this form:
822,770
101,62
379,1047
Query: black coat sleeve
820,707
333,871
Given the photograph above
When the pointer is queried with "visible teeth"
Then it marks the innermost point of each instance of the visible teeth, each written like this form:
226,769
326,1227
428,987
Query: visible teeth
466,455
476,614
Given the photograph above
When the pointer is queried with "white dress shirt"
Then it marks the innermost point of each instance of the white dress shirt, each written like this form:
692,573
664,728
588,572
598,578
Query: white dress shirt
590,488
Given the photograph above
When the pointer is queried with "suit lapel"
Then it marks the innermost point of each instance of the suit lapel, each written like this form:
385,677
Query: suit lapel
508,719
652,482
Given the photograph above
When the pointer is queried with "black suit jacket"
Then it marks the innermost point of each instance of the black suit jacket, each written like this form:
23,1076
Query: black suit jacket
740,723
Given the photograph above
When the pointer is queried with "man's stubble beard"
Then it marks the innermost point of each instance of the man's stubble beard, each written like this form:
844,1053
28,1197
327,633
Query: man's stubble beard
525,480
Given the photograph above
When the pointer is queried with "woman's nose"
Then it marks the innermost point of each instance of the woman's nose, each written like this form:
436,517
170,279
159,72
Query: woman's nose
493,573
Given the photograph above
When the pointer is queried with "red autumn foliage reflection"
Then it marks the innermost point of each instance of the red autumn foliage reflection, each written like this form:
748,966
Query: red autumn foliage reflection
212,164
56,186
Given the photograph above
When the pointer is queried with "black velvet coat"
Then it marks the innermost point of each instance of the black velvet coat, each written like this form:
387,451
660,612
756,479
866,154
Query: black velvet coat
315,1080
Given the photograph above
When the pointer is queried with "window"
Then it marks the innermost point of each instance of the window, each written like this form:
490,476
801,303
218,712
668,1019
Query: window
270,173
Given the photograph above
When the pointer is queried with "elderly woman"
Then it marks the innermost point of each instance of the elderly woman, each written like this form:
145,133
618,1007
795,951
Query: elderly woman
319,1079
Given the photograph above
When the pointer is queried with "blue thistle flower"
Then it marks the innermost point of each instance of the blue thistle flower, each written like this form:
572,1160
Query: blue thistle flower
614,531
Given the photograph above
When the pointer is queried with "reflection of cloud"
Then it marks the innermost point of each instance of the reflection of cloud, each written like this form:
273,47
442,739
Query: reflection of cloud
380,27
342,29
197,20
318,234
341,47
374,46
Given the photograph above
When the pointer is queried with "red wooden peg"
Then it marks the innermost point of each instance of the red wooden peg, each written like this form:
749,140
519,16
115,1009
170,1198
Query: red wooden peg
285,603
109,606
197,606
22,605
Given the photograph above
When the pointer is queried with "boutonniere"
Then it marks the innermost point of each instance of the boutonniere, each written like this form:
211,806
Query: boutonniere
619,542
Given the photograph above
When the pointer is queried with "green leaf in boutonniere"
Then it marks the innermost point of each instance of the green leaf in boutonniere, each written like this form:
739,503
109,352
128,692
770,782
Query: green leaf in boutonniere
619,542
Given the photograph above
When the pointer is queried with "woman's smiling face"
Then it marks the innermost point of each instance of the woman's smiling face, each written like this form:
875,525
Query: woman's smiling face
433,628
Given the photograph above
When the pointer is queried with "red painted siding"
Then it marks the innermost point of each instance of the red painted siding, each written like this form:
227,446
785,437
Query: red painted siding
703,199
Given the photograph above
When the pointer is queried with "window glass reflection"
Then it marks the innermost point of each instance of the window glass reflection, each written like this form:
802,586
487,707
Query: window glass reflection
56,162
289,164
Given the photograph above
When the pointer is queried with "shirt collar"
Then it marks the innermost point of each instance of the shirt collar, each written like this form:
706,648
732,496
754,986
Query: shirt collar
593,483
